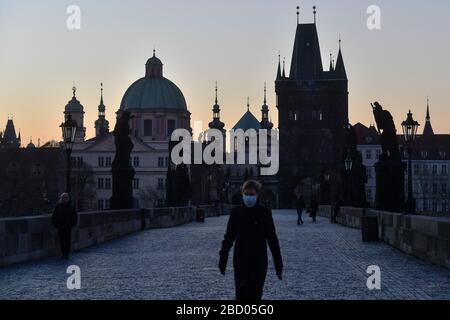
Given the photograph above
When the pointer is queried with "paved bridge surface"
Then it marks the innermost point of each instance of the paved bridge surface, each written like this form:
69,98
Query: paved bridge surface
322,261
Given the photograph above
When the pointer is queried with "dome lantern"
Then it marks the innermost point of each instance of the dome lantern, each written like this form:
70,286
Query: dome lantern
154,67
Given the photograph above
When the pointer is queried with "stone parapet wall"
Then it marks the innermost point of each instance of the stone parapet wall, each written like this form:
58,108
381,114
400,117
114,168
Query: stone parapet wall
28,238
427,238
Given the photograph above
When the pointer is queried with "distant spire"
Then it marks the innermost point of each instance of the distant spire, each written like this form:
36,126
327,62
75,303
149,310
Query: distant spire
101,93
298,15
216,94
248,103
74,90
284,64
428,128
265,93
154,51
314,11
279,67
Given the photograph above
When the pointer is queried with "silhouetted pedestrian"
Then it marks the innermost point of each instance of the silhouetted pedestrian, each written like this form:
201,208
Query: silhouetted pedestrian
64,218
300,205
336,210
313,207
250,228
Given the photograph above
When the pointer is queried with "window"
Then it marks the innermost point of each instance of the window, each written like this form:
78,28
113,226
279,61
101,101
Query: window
160,183
160,162
136,183
108,162
416,169
444,206
368,154
444,169
378,153
148,128
434,206
100,183
100,204
369,194
107,205
101,162
444,188
434,169
170,126
107,183
291,115
435,188
425,188
425,170
136,161
166,162
425,205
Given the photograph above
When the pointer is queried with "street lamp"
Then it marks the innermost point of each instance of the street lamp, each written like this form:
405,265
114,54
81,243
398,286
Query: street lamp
348,164
410,127
69,128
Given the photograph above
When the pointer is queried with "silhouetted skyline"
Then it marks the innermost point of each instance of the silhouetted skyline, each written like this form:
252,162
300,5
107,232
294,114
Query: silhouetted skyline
235,43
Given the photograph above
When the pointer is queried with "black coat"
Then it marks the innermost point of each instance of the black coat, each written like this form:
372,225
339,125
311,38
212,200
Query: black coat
251,229
64,216
300,204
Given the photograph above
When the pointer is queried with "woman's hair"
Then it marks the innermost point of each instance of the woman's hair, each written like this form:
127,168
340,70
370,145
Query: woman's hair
252,184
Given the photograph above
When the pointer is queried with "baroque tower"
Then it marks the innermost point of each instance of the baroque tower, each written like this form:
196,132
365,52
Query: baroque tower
313,110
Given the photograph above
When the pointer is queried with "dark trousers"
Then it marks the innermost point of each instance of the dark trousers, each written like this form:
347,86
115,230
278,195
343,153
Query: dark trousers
250,292
65,239
299,213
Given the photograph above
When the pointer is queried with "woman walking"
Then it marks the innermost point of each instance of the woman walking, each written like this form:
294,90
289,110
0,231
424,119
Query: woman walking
250,228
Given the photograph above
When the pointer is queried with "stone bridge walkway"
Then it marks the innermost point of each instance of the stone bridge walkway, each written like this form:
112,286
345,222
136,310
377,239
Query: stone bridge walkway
322,261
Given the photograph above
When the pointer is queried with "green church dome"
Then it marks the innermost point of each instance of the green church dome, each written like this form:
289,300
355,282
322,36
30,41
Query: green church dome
153,91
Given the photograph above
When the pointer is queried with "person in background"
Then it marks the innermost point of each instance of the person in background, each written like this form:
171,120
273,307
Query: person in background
314,207
300,206
64,218
336,210
250,228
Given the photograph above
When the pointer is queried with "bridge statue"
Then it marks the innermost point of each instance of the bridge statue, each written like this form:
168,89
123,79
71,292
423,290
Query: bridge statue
390,170
354,182
122,171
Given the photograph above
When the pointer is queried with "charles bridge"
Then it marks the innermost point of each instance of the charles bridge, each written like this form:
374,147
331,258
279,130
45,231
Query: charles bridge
165,254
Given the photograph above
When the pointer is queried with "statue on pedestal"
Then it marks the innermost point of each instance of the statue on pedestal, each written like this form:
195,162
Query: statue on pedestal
390,170
122,171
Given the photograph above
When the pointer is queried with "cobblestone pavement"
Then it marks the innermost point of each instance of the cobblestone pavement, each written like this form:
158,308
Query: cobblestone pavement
322,261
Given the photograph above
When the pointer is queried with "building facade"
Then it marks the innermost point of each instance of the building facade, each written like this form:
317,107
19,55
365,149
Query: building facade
157,107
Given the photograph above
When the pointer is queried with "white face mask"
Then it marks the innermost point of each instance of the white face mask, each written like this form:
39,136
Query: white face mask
249,200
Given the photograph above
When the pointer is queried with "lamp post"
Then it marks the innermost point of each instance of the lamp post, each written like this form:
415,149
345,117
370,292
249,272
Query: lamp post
69,128
348,164
410,127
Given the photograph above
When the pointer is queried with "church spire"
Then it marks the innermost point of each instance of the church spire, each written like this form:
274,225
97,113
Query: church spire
284,68
428,128
216,123
101,124
265,122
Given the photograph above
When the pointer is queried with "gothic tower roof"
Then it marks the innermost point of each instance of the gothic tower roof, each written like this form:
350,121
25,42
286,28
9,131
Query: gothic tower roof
306,61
